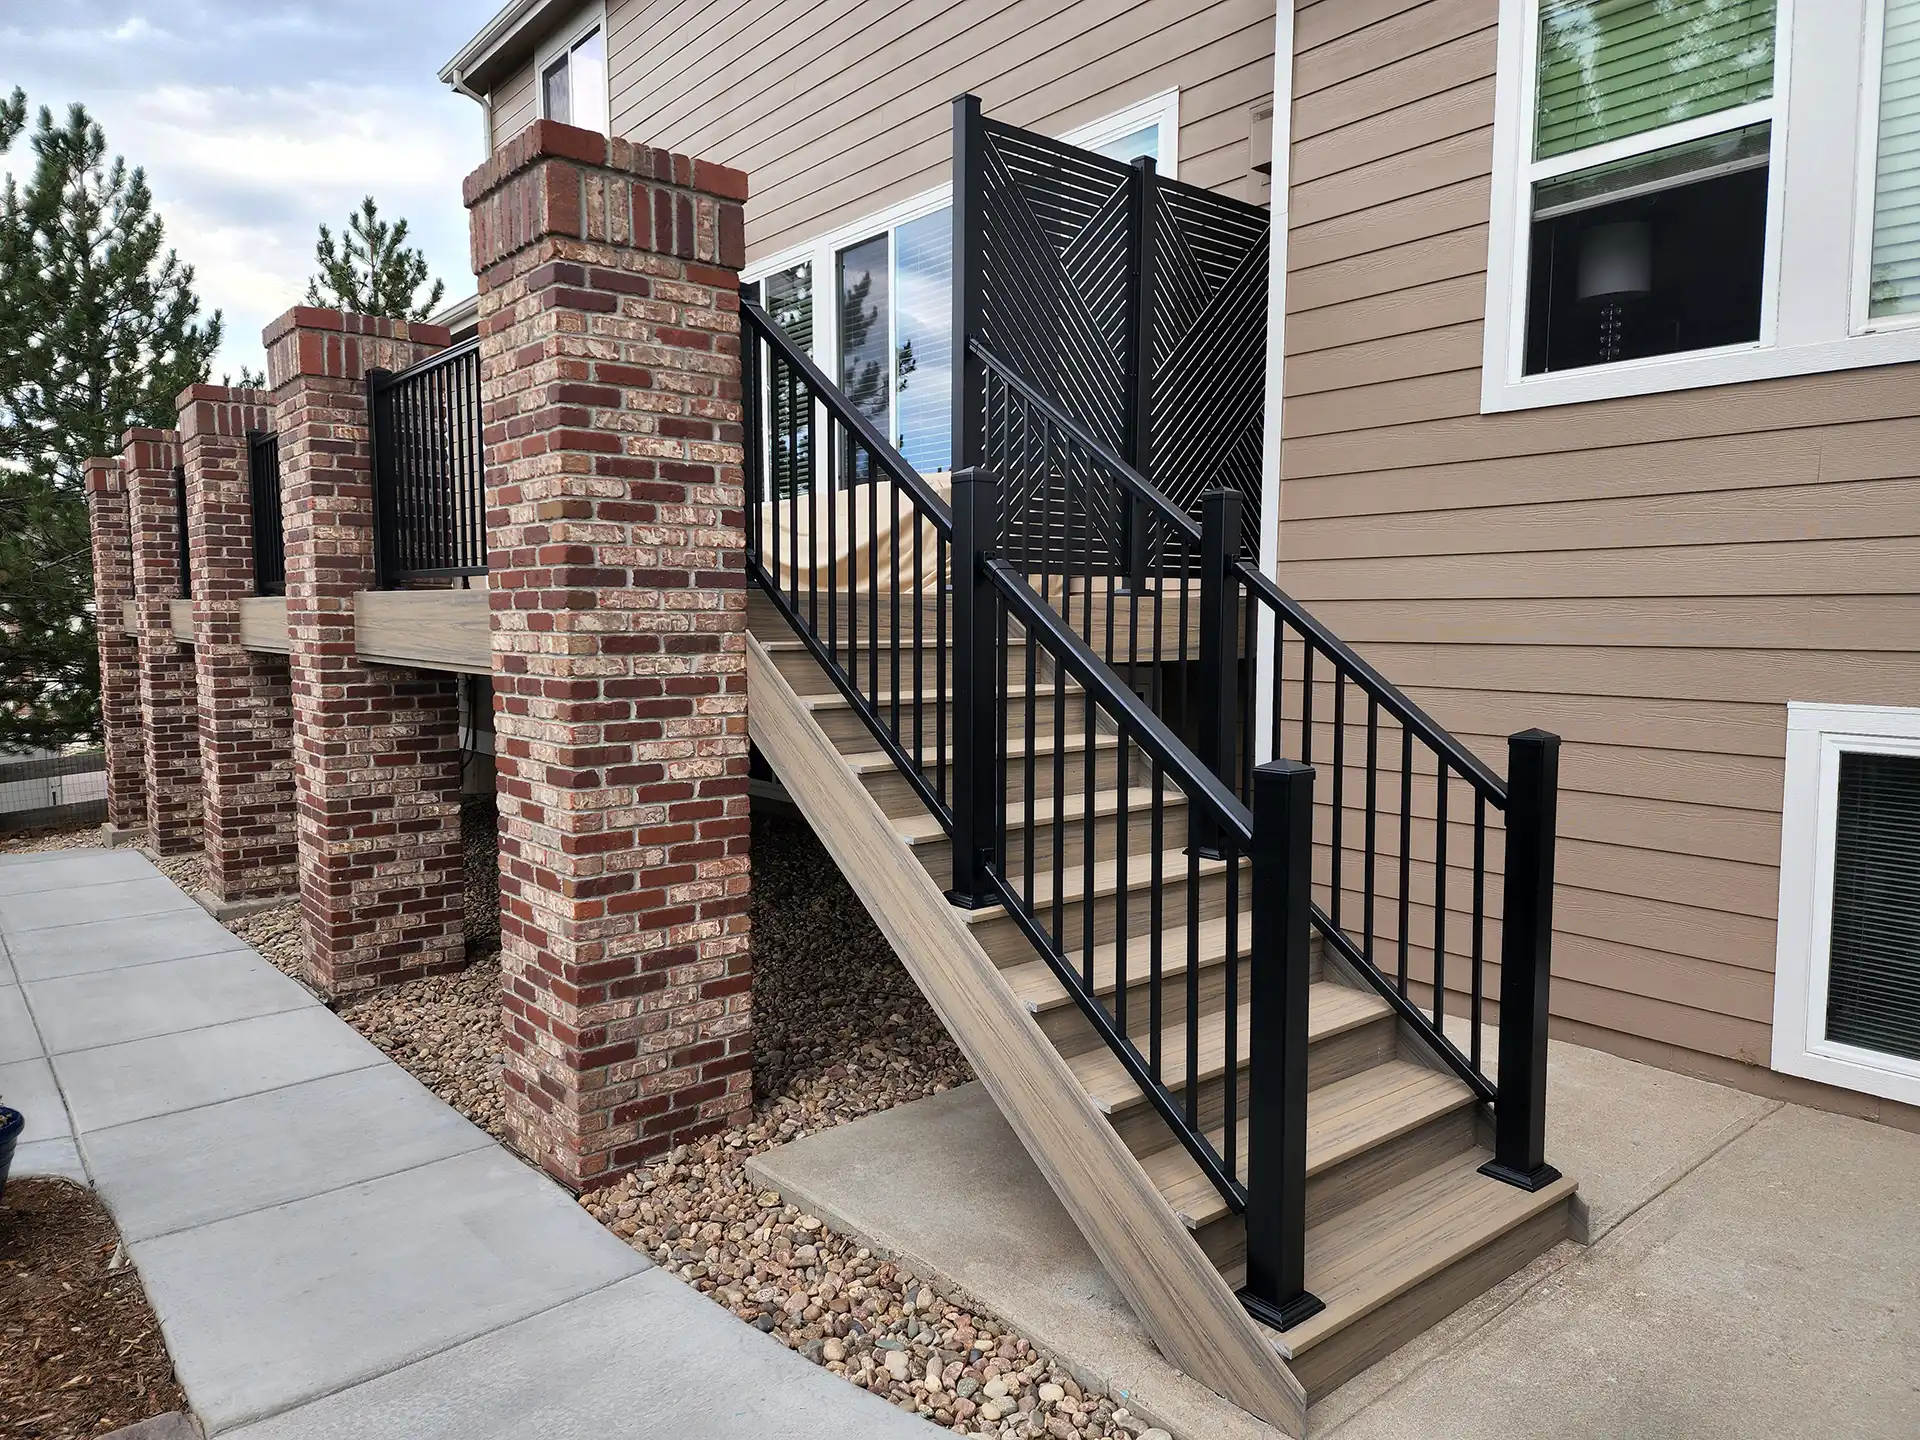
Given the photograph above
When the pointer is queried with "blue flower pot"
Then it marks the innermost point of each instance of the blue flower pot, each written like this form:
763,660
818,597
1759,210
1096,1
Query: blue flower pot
12,1122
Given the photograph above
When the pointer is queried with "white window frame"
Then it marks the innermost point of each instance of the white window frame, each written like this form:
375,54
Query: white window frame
823,251
1820,197
578,29
1817,736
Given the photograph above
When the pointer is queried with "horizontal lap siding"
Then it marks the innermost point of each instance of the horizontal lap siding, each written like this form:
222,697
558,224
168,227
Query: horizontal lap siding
839,108
513,105
1651,578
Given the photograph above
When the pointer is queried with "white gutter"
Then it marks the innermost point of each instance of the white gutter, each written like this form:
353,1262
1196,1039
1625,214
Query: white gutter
1282,149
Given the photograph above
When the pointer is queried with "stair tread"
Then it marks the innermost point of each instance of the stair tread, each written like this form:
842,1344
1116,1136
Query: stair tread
924,829
866,762
1363,1257
834,700
1344,1119
1036,986
1332,1009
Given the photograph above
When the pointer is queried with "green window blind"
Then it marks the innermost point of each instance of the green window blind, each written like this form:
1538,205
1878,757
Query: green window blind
1894,286
1614,68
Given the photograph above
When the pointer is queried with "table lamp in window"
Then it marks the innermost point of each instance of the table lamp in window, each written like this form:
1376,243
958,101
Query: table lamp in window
1616,269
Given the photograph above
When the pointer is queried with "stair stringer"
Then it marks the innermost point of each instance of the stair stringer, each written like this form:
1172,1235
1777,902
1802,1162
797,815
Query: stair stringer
1172,1287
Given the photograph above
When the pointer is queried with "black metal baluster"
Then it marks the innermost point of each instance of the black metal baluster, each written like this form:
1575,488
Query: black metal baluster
1406,846
1440,900
1371,824
1155,921
1339,791
1089,785
1478,1012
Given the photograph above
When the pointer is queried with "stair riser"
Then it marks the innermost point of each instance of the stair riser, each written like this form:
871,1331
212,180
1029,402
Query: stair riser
1003,939
937,856
1332,1058
1064,1026
895,797
1355,1181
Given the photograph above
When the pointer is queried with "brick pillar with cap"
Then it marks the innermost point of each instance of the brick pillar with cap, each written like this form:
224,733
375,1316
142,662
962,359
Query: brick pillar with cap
169,706
246,698
376,749
610,362
112,537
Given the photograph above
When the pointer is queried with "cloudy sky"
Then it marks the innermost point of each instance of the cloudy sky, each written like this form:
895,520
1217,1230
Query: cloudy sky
258,119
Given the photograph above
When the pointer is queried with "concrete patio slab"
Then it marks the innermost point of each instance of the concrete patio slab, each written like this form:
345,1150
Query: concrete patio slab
7,977
1774,1291
59,1157
111,1007
283,1305
63,869
28,1086
176,1171
118,1084
114,943
943,1185
18,1039
646,1357
72,905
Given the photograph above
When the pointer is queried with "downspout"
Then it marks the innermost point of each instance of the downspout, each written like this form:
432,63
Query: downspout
1282,155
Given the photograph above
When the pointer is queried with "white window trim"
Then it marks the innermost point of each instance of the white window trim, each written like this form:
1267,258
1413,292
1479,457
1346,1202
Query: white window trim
564,40
1821,147
823,250
1817,735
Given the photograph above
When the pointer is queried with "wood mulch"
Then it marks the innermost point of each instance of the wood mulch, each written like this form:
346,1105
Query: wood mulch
80,1351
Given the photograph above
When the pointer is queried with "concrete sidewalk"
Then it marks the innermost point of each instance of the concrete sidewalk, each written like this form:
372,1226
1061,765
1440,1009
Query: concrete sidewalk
1754,1271
331,1250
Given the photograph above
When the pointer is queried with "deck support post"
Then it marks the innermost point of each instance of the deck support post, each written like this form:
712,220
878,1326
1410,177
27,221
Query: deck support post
168,708
1526,963
376,748
615,476
245,697
1278,981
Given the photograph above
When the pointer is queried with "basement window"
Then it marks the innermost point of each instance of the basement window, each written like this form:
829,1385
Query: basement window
1847,982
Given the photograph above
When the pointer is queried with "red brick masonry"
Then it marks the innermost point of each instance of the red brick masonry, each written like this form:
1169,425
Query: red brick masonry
246,700
376,748
119,651
609,311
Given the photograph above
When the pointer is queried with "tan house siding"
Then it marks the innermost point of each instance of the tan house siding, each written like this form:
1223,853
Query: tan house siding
838,109
515,105
1653,578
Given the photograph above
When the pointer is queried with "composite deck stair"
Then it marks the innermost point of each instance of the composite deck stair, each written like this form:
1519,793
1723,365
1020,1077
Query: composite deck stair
1402,1227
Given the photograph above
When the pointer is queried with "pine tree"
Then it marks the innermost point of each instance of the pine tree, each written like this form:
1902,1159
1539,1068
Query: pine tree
99,331
371,270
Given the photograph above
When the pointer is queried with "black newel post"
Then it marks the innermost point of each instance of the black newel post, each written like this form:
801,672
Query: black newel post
1276,1290
1218,734
976,792
1526,959
969,382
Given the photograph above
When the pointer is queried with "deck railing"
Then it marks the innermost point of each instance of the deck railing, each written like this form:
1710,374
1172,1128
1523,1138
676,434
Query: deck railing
269,530
180,530
430,509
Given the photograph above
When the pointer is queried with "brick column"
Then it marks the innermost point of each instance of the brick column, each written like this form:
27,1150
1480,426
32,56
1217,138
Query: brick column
609,313
246,700
168,703
119,652
376,748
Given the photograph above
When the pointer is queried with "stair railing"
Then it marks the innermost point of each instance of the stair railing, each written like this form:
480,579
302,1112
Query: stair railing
1254,658
840,529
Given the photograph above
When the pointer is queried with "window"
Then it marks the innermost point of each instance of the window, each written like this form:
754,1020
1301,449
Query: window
1847,976
788,297
573,76
1700,192
888,329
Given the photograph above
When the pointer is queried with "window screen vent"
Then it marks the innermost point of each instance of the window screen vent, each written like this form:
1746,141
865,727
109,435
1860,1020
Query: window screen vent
1873,984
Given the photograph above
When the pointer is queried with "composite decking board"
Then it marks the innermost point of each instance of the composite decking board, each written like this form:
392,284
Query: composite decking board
1180,1297
925,830
263,624
180,621
1333,1009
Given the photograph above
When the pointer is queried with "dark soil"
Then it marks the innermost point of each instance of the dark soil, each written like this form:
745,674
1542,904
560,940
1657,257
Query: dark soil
80,1350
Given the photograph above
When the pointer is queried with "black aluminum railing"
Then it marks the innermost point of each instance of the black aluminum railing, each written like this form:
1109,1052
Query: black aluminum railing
180,530
269,530
430,506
